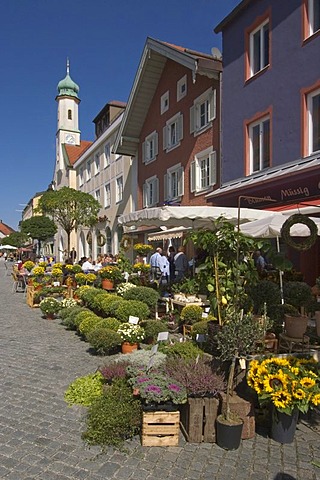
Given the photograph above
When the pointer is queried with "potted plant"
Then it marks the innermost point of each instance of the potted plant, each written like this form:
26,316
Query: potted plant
142,249
290,385
28,265
299,295
112,274
131,335
50,307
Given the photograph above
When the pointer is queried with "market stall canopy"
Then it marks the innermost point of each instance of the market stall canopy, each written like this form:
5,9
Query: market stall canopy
7,247
168,234
194,217
270,227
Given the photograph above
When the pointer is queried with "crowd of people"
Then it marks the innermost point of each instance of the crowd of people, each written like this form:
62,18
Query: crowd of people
168,267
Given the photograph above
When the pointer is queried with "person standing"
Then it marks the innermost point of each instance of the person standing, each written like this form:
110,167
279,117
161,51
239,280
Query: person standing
171,254
164,266
181,264
155,264
73,255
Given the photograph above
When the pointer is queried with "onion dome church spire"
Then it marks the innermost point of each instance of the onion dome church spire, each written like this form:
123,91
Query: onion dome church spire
67,87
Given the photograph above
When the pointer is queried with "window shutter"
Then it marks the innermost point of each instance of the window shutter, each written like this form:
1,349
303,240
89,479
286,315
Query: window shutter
143,152
156,191
165,137
212,105
192,119
145,195
165,187
180,182
180,127
213,168
193,185
156,144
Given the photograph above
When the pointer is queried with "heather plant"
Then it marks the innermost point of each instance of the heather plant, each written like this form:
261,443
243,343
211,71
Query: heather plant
114,370
103,340
132,307
197,376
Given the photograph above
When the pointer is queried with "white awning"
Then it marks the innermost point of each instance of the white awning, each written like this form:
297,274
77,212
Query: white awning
168,234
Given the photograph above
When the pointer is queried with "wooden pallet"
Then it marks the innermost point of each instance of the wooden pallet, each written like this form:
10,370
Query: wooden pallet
198,419
160,429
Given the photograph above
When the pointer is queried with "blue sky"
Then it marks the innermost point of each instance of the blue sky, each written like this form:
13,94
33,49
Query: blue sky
104,40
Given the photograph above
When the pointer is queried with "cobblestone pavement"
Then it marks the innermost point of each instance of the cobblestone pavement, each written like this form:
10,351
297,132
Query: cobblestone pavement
40,435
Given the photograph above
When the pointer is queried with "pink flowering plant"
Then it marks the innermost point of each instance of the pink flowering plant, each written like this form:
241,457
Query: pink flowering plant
158,388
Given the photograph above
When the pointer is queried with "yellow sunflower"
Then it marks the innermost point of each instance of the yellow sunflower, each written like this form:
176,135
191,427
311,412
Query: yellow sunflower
281,399
316,399
299,394
275,382
307,382
258,386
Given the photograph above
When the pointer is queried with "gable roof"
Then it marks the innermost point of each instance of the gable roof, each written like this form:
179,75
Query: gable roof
232,15
154,57
73,152
5,229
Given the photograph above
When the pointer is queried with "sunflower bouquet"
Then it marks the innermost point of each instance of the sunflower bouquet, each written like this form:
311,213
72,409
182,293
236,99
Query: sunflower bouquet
288,383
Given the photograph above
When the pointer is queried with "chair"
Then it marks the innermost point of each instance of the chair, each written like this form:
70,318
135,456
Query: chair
18,282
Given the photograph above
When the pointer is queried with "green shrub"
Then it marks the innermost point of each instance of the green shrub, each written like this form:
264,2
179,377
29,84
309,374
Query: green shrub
103,340
186,350
82,316
110,323
113,417
84,390
143,294
152,328
109,304
88,324
199,328
191,314
88,295
69,316
263,292
98,300
132,307
298,294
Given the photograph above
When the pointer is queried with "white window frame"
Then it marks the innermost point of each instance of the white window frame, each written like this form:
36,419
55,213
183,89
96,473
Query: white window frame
81,177
180,84
151,192
208,99
263,62
313,16
97,195
252,128
107,155
88,170
97,164
311,120
108,245
107,195
119,189
164,102
173,132
174,183
196,180
150,148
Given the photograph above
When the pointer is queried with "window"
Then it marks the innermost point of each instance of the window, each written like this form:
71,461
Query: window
108,240
81,180
88,170
107,155
107,195
182,88
96,163
259,145
173,132
164,102
69,114
150,147
174,183
313,17
313,116
97,195
259,48
203,112
119,189
203,171
151,192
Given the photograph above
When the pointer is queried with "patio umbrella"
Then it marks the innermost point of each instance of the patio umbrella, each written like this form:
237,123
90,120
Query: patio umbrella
194,217
8,247
270,227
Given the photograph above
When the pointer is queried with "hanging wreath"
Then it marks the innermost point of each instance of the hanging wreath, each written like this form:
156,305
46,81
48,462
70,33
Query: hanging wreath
125,243
307,241
89,238
101,240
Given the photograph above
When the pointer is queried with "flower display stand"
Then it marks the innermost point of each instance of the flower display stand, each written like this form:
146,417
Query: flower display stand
30,296
160,429
245,410
198,419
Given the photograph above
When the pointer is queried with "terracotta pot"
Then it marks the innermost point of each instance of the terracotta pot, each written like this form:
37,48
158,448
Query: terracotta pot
127,347
107,284
50,316
295,327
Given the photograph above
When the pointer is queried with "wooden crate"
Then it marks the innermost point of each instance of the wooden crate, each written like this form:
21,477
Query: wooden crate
245,409
30,296
160,429
198,419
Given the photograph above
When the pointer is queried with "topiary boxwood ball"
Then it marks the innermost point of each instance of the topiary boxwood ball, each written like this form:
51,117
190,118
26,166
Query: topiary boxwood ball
104,341
132,307
143,294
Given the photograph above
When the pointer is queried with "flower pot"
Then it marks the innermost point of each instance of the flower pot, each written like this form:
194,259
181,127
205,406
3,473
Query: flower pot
295,327
107,284
50,316
228,434
159,407
283,426
127,347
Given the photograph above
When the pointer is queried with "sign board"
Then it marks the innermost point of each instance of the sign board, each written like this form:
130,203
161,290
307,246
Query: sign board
162,336
133,320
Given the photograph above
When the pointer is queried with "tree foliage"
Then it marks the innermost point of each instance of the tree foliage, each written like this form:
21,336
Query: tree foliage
39,227
16,239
